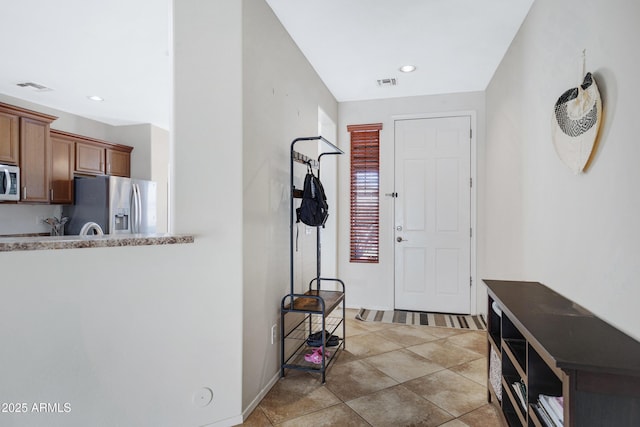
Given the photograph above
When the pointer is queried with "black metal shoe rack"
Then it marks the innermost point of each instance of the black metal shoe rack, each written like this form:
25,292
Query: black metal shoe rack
311,311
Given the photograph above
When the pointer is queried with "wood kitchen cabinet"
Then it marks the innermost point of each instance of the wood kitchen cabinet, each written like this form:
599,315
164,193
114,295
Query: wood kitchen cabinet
9,137
49,159
90,158
118,162
63,156
95,157
24,141
34,159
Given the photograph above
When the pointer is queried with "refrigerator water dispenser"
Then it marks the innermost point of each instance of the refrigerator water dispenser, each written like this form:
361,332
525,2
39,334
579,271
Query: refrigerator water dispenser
121,220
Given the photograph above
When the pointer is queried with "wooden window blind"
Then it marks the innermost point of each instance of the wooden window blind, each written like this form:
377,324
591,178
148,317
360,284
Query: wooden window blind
365,192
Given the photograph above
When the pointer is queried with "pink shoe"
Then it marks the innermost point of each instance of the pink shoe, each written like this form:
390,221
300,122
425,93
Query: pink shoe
315,356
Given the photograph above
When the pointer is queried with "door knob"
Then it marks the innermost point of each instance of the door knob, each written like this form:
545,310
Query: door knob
400,239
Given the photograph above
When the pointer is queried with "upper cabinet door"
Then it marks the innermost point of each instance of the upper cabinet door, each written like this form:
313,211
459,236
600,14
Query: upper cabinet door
9,138
62,164
90,159
34,160
118,163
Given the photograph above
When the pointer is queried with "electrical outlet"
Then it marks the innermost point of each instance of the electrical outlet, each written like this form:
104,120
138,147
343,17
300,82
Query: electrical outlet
274,333
39,220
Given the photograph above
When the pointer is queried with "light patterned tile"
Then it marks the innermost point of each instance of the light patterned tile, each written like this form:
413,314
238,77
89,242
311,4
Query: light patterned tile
296,395
354,379
397,406
485,416
445,353
472,340
454,423
407,335
338,415
450,391
366,375
355,327
441,332
403,365
345,356
257,419
475,370
369,345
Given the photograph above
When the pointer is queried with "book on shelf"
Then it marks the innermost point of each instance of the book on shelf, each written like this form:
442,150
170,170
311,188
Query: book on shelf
554,407
556,403
542,414
548,413
521,391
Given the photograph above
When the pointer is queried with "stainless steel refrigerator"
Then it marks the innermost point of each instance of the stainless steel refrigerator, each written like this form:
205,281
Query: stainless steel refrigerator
118,205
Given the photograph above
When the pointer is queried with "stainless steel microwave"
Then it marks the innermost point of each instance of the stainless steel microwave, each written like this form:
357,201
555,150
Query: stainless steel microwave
9,182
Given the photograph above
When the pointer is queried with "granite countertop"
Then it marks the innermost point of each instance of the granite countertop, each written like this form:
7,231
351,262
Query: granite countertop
34,243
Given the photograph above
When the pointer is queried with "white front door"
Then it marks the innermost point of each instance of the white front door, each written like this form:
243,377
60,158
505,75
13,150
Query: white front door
433,214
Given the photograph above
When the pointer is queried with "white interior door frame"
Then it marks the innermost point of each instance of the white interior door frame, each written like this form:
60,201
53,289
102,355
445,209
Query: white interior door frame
472,115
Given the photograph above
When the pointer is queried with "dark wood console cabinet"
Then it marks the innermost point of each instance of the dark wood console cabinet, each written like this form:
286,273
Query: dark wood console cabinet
552,346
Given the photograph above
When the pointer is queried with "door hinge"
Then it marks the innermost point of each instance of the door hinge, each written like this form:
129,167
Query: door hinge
471,182
470,281
471,232
470,133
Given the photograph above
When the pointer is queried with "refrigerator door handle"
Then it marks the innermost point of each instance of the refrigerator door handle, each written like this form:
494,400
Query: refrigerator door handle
139,207
132,223
137,203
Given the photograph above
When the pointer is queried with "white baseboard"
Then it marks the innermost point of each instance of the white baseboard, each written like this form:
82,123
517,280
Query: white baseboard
254,404
233,421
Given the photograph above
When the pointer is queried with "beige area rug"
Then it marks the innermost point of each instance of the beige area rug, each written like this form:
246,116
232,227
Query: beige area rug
458,321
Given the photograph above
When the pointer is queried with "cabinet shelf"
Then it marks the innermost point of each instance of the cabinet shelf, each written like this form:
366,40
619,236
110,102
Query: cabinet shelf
560,349
516,350
510,408
494,341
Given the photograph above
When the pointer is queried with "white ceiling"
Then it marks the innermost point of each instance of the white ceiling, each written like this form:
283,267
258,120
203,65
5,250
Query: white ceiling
456,45
120,49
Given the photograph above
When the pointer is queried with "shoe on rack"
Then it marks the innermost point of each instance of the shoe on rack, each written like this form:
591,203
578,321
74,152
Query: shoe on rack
316,356
315,339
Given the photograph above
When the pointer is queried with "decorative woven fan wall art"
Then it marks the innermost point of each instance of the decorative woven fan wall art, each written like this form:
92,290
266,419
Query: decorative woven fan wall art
575,124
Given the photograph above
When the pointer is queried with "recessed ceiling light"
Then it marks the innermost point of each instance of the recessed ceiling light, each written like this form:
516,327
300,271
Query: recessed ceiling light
95,98
407,68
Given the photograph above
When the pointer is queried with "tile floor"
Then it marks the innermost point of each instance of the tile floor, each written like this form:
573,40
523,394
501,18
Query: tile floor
389,375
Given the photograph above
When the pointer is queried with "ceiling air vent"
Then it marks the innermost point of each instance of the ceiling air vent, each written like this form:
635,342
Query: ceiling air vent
35,86
387,82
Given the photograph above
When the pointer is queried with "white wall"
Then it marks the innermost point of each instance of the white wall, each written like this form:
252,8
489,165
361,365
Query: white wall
577,234
161,161
207,196
372,285
327,127
281,95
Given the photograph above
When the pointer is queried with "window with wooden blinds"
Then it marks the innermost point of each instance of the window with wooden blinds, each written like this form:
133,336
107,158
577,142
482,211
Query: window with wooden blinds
365,191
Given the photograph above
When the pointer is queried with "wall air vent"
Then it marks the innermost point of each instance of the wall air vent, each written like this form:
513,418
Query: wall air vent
387,82
34,86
